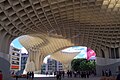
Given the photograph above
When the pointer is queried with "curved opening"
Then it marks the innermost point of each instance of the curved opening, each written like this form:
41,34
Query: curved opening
18,57
53,64
58,66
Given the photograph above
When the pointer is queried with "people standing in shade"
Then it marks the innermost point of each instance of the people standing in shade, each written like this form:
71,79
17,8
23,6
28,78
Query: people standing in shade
12,73
68,73
28,75
46,73
58,75
103,73
17,75
110,73
55,72
118,76
87,74
82,74
32,75
78,73
63,74
106,73
75,73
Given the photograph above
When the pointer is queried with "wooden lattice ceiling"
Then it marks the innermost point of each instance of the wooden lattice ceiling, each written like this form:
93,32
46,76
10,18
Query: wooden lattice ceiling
93,23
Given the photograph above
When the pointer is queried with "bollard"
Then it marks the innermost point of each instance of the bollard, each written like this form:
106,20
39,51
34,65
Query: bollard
1,75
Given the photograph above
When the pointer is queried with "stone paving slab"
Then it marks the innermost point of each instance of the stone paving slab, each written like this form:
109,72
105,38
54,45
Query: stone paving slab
52,78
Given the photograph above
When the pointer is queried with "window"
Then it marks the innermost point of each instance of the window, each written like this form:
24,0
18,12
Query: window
117,52
114,53
103,54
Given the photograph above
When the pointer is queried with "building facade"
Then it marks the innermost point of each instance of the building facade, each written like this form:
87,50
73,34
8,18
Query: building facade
15,59
51,66
24,57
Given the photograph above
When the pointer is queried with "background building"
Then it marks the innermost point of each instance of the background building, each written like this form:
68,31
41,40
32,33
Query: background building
24,57
51,66
15,59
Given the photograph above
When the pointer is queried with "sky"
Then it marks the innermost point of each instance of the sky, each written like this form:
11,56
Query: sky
80,49
15,43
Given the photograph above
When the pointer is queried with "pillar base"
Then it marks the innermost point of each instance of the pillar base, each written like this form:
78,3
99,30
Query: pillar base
5,66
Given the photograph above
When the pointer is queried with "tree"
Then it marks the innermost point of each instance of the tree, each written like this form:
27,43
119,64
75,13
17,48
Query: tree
75,64
82,64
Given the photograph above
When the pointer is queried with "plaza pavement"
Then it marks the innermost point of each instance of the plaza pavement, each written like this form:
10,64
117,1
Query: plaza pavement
51,77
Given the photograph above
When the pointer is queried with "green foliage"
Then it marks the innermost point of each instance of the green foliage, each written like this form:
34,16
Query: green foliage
82,64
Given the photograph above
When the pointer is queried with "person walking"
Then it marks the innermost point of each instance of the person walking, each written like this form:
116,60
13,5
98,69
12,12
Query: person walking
110,73
32,74
63,74
17,75
28,75
57,75
103,73
118,76
46,73
68,73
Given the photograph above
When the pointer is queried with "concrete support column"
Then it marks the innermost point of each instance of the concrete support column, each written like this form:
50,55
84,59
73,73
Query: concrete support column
106,64
5,40
37,58
9,39
2,35
119,51
57,65
5,66
46,68
66,66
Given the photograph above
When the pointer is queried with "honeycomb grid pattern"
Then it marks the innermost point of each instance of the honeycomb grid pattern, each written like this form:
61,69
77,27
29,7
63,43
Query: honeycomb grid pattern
92,23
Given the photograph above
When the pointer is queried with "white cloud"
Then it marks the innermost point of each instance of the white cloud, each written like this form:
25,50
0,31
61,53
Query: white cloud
45,59
74,49
12,44
23,50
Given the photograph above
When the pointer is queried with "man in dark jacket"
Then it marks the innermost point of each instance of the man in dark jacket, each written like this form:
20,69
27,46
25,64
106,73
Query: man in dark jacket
118,76
32,74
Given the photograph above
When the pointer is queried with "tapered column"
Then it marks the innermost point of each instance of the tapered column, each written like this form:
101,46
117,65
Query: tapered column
107,64
5,40
36,58
66,66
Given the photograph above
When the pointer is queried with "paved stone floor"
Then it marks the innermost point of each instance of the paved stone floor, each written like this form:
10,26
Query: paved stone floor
52,78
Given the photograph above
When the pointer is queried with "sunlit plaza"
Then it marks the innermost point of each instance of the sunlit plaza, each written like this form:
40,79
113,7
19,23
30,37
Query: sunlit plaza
52,77
60,39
